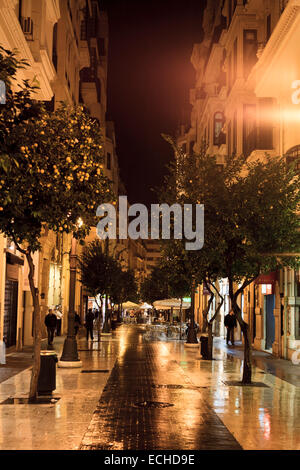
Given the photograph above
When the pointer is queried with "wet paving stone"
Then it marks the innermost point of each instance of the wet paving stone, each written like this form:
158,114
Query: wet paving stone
119,424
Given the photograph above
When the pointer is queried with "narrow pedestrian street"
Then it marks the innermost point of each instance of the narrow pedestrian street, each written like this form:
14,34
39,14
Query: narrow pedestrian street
135,394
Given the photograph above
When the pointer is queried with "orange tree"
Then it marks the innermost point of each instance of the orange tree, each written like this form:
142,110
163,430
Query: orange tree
251,220
51,175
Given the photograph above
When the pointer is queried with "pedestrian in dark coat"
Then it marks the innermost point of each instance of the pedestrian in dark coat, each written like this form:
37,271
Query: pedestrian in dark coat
50,322
230,323
89,324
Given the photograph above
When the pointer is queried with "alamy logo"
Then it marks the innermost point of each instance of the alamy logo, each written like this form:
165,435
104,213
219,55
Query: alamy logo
184,220
2,92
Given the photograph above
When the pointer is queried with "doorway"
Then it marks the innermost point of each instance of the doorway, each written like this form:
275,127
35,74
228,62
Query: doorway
270,321
10,313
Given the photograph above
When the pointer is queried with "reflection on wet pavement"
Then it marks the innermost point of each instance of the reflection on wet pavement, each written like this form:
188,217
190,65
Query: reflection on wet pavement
113,410
132,414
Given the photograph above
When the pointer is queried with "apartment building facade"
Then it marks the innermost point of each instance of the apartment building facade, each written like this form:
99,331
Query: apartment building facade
65,43
245,101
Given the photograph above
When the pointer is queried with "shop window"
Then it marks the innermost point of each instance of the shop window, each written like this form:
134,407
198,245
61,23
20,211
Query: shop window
218,126
250,50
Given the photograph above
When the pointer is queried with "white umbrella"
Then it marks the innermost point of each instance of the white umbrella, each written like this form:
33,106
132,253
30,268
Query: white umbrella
169,303
145,306
129,304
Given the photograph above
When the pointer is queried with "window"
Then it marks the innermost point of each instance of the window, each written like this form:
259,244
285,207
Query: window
229,11
54,46
250,50
229,73
249,129
265,135
234,61
218,126
268,35
234,136
27,27
293,157
101,46
229,148
83,30
108,161
192,143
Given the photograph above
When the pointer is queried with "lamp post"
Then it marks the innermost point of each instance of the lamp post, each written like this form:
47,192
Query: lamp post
69,357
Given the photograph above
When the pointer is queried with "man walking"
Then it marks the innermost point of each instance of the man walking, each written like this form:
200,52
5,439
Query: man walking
230,323
59,315
89,324
50,322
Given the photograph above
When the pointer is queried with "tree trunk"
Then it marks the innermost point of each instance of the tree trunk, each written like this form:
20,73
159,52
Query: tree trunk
119,318
192,335
247,366
98,319
37,334
209,341
106,325
205,322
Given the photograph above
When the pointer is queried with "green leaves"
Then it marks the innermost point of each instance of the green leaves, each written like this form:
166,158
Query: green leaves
250,213
51,163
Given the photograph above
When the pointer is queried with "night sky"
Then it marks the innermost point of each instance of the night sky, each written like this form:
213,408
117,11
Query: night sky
149,77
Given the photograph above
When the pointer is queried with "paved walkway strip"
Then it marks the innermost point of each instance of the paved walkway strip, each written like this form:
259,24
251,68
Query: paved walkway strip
145,406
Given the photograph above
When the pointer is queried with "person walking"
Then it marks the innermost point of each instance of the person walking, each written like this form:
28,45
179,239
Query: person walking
77,323
59,315
89,324
50,322
230,323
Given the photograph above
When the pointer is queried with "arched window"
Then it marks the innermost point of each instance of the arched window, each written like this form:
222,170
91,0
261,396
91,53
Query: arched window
218,125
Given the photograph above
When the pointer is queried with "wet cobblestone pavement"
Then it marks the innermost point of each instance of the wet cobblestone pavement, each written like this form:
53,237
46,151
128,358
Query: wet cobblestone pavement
178,417
134,394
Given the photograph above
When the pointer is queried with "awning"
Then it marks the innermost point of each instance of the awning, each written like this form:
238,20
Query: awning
269,278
